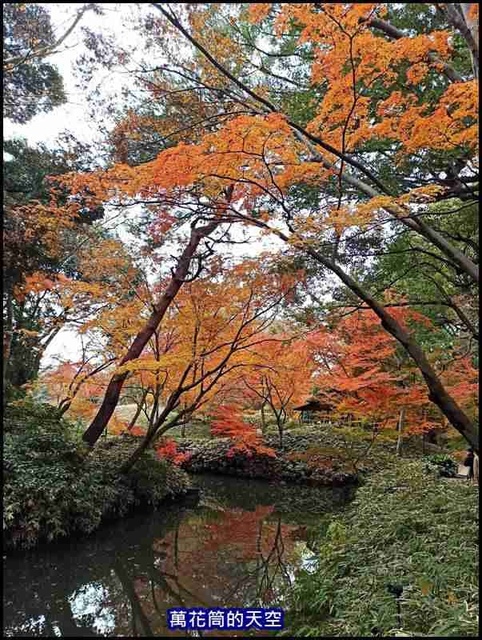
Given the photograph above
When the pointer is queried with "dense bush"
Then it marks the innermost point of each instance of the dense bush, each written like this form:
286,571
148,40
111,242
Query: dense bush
443,464
405,529
213,457
53,489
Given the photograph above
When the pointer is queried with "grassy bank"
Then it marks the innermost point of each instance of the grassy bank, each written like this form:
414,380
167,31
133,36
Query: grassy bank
407,532
52,489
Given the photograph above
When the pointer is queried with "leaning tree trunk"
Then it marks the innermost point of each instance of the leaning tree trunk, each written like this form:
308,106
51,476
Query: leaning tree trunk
111,397
437,392
137,413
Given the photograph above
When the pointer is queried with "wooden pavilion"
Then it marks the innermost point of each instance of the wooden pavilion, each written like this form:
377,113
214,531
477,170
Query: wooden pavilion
315,410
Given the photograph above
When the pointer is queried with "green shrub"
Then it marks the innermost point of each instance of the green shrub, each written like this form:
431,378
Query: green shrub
404,529
441,464
53,489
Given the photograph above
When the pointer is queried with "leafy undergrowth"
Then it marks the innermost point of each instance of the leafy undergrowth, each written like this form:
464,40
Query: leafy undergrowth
217,456
407,530
51,489
443,464
311,455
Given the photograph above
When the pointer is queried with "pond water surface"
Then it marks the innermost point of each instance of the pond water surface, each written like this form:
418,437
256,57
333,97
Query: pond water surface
240,546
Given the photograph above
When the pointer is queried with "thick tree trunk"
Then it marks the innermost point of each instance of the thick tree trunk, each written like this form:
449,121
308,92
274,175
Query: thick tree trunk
111,397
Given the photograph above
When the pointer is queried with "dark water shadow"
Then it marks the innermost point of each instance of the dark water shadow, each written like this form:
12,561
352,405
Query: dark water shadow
242,545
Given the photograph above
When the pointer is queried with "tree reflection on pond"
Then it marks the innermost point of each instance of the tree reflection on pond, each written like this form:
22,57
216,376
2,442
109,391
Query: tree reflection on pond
231,550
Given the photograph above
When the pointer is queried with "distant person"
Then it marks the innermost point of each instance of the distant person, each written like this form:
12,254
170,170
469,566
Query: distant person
476,468
469,462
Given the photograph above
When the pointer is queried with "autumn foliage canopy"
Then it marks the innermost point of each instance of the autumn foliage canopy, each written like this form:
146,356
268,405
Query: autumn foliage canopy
333,131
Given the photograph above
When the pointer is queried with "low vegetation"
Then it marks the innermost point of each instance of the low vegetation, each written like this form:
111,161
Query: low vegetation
52,490
442,464
401,560
311,454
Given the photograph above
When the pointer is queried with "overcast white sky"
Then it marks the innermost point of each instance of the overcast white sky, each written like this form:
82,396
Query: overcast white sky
73,116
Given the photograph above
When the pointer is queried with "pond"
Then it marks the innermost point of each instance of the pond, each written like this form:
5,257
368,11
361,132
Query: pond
241,545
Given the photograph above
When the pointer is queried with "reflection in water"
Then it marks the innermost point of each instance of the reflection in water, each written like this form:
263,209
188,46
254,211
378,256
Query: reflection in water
240,547
88,608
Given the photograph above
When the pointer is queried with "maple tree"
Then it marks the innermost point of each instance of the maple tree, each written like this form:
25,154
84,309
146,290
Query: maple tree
362,373
228,423
298,137
47,302
73,387
209,334
285,382
45,240
357,37
143,336
215,328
